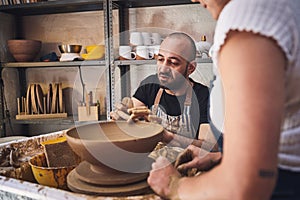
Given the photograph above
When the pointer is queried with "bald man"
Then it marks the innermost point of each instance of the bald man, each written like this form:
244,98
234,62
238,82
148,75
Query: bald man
172,95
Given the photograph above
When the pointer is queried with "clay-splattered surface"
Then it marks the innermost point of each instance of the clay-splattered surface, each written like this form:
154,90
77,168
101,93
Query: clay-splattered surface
14,156
17,181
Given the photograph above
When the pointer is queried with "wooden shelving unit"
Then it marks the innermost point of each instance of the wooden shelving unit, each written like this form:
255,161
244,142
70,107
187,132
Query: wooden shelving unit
69,6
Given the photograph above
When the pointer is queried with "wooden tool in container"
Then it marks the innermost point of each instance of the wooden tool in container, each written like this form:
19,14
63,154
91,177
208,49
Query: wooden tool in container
89,111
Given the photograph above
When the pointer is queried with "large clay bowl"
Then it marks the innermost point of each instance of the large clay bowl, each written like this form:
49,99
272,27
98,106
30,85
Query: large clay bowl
24,50
119,146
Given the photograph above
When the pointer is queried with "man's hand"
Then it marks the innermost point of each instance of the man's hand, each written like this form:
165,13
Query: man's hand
126,111
121,111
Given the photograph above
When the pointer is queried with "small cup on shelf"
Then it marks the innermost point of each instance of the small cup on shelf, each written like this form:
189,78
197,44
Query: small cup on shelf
126,53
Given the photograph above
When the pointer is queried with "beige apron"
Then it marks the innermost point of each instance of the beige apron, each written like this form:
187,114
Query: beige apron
181,124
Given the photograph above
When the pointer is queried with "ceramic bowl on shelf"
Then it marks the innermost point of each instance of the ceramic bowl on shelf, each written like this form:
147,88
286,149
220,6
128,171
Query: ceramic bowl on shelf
69,48
24,50
116,145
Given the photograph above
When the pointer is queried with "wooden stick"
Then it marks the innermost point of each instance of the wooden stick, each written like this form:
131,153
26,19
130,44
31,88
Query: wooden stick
44,101
22,104
25,106
87,105
18,104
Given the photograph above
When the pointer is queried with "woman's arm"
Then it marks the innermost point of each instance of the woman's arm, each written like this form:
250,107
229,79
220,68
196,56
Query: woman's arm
252,71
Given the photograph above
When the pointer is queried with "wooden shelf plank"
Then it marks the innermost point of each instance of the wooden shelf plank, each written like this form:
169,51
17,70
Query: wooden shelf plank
86,63
70,120
135,62
52,7
41,116
53,64
152,3
67,6
153,62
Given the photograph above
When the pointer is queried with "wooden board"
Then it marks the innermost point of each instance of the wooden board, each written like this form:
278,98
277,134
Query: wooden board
41,116
60,98
39,97
28,100
33,99
49,99
54,98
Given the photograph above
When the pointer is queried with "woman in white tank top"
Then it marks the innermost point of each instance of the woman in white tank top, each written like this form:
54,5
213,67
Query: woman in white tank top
256,55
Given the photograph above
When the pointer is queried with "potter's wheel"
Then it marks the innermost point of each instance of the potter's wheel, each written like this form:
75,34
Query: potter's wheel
85,179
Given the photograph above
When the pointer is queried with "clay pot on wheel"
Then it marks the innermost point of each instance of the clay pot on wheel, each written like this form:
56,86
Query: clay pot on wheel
118,146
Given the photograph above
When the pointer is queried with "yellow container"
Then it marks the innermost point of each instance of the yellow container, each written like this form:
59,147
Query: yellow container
53,141
94,52
49,176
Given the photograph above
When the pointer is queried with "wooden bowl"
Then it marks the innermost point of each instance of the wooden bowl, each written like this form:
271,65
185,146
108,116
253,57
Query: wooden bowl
115,145
24,50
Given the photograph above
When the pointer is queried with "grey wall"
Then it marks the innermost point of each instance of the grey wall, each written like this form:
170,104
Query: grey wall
87,28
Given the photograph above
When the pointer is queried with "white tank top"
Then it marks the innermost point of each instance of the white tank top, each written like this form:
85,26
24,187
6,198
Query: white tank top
280,20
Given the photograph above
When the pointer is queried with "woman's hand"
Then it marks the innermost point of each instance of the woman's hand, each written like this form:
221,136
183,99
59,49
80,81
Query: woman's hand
194,157
163,178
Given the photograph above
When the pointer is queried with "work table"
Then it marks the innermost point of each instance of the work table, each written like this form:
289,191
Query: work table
13,187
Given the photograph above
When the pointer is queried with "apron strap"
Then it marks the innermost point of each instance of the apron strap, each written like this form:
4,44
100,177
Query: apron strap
187,102
188,98
187,129
157,100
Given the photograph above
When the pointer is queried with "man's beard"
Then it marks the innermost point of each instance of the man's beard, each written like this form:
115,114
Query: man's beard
175,84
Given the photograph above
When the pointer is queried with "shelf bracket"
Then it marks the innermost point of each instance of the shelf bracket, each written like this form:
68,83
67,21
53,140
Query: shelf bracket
109,55
2,111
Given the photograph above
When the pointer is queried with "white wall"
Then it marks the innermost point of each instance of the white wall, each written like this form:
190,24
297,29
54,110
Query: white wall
167,19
